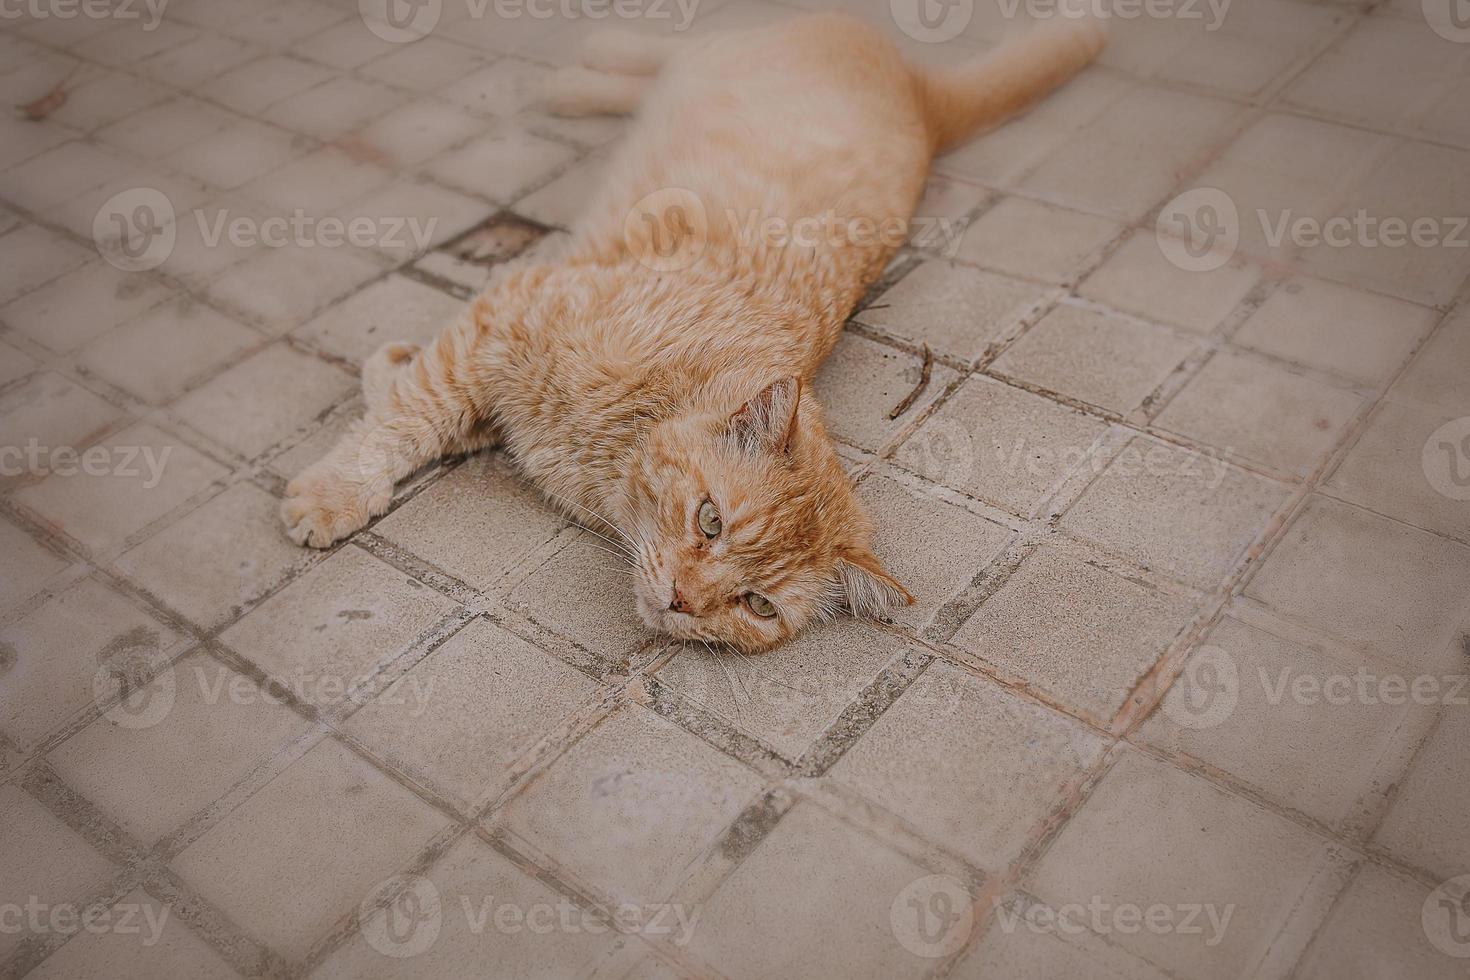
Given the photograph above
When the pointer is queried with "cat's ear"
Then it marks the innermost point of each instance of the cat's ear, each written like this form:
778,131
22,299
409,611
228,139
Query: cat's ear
766,423
868,589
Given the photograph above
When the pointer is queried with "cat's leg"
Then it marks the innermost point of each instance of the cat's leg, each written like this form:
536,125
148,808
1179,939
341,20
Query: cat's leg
626,52
380,370
577,92
420,406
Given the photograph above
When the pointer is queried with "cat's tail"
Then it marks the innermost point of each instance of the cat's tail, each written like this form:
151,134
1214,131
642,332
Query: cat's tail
966,100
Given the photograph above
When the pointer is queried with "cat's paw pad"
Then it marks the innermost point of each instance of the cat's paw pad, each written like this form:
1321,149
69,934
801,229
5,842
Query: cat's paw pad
322,507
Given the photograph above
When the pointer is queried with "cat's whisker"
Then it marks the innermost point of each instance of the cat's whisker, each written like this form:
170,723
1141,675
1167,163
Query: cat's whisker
751,664
589,511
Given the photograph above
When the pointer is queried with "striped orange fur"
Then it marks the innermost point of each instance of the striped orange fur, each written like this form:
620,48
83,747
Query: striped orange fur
632,390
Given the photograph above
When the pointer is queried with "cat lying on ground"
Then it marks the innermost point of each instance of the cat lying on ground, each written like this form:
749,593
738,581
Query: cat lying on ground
655,382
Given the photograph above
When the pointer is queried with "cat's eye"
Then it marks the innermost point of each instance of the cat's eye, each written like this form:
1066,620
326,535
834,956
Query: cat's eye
760,605
709,520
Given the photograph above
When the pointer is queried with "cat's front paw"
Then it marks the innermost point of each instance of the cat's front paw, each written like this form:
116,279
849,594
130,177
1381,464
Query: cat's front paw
322,506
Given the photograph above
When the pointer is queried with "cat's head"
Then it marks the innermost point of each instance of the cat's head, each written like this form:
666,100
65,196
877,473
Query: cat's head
746,527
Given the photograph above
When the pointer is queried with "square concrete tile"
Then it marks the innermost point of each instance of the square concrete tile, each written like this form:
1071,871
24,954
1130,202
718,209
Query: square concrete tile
1035,240
1026,943
820,895
1359,335
1378,75
969,764
144,475
1001,444
1413,183
161,130
1150,835
230,410
1423,827
1284,168
479,909
278,289
392,309
1291,720
238,154
139,937
501,165
476,523
410,216
1186,515
160,353
632,807
1137,278
1401,468
32,257
55,413
1373,582
28,565
333,108
263,82
317,183
585,594
217,559
464,715
45,859
934,548
425,65
331,630
957,310
1071,629
1100,170
1245,406
299,854
863,381
413,133
1377,929
82,304
1106,360
203,730
1433,377
59,657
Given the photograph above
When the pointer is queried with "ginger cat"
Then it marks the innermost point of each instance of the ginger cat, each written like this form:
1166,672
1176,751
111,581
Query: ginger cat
655,382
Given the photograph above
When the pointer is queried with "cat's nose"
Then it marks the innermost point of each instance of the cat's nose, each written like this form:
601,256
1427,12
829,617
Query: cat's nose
677,603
